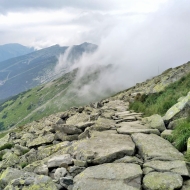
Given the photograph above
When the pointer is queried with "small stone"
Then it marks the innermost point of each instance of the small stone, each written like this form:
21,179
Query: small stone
58,160
60,172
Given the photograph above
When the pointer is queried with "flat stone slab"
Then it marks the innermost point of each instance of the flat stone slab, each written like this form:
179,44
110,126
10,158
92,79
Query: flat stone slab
103,147
162,181
77,118
153,147
41,140
136,128
112,176
176,166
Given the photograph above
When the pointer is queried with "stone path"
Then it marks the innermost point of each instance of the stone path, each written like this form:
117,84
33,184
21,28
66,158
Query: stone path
105,146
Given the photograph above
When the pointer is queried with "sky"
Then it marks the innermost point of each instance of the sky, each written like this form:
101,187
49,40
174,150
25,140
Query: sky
42,23
140,38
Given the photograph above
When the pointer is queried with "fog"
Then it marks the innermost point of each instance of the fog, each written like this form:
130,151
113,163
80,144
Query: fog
136,52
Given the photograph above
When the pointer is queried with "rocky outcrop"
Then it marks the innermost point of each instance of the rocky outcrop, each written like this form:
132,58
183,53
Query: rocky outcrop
179,109
101,146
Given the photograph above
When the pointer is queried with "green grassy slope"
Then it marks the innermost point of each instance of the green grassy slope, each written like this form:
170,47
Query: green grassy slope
159,103
30,105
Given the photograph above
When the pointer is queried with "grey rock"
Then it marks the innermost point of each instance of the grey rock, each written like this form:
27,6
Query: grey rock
176,166
58,160
77,118
68,129
75,170
112,176
153,147
155,122
103,147
60,172
128,128
177,108
166,134
162,181
41,170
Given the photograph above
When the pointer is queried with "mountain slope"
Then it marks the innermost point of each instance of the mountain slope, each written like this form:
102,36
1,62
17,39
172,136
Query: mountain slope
22,73
104,145
9,51
62,93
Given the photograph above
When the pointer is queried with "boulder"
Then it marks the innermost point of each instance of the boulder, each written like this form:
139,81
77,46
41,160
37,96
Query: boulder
84,125
155,122
103,147
46,139
177,108
77,118
127,128
60,172
166,134
67,129
56,161
153,147
103,124
13,178
112,176
162,181
176,166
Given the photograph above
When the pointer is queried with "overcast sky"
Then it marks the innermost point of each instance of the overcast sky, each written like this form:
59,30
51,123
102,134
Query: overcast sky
42,23
141,38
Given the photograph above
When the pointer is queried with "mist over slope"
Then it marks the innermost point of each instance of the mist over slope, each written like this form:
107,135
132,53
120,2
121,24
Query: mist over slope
22,73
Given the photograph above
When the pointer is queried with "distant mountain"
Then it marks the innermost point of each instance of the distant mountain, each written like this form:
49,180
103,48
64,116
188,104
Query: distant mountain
24,72
9,51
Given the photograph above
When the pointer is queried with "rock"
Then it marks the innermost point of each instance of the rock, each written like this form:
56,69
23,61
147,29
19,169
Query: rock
153,147
155,122
112,176
75,170
177,108
166,134
80,163
103,147
103,124
176,166
11,160
41,170
77,118
60,172
37,183
129,159
67,129
84,125
64,137
41,140
162,181
20,150
58,160
136,128
10,175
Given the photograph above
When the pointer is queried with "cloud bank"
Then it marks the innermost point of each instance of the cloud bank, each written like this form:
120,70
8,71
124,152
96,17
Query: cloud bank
136,52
